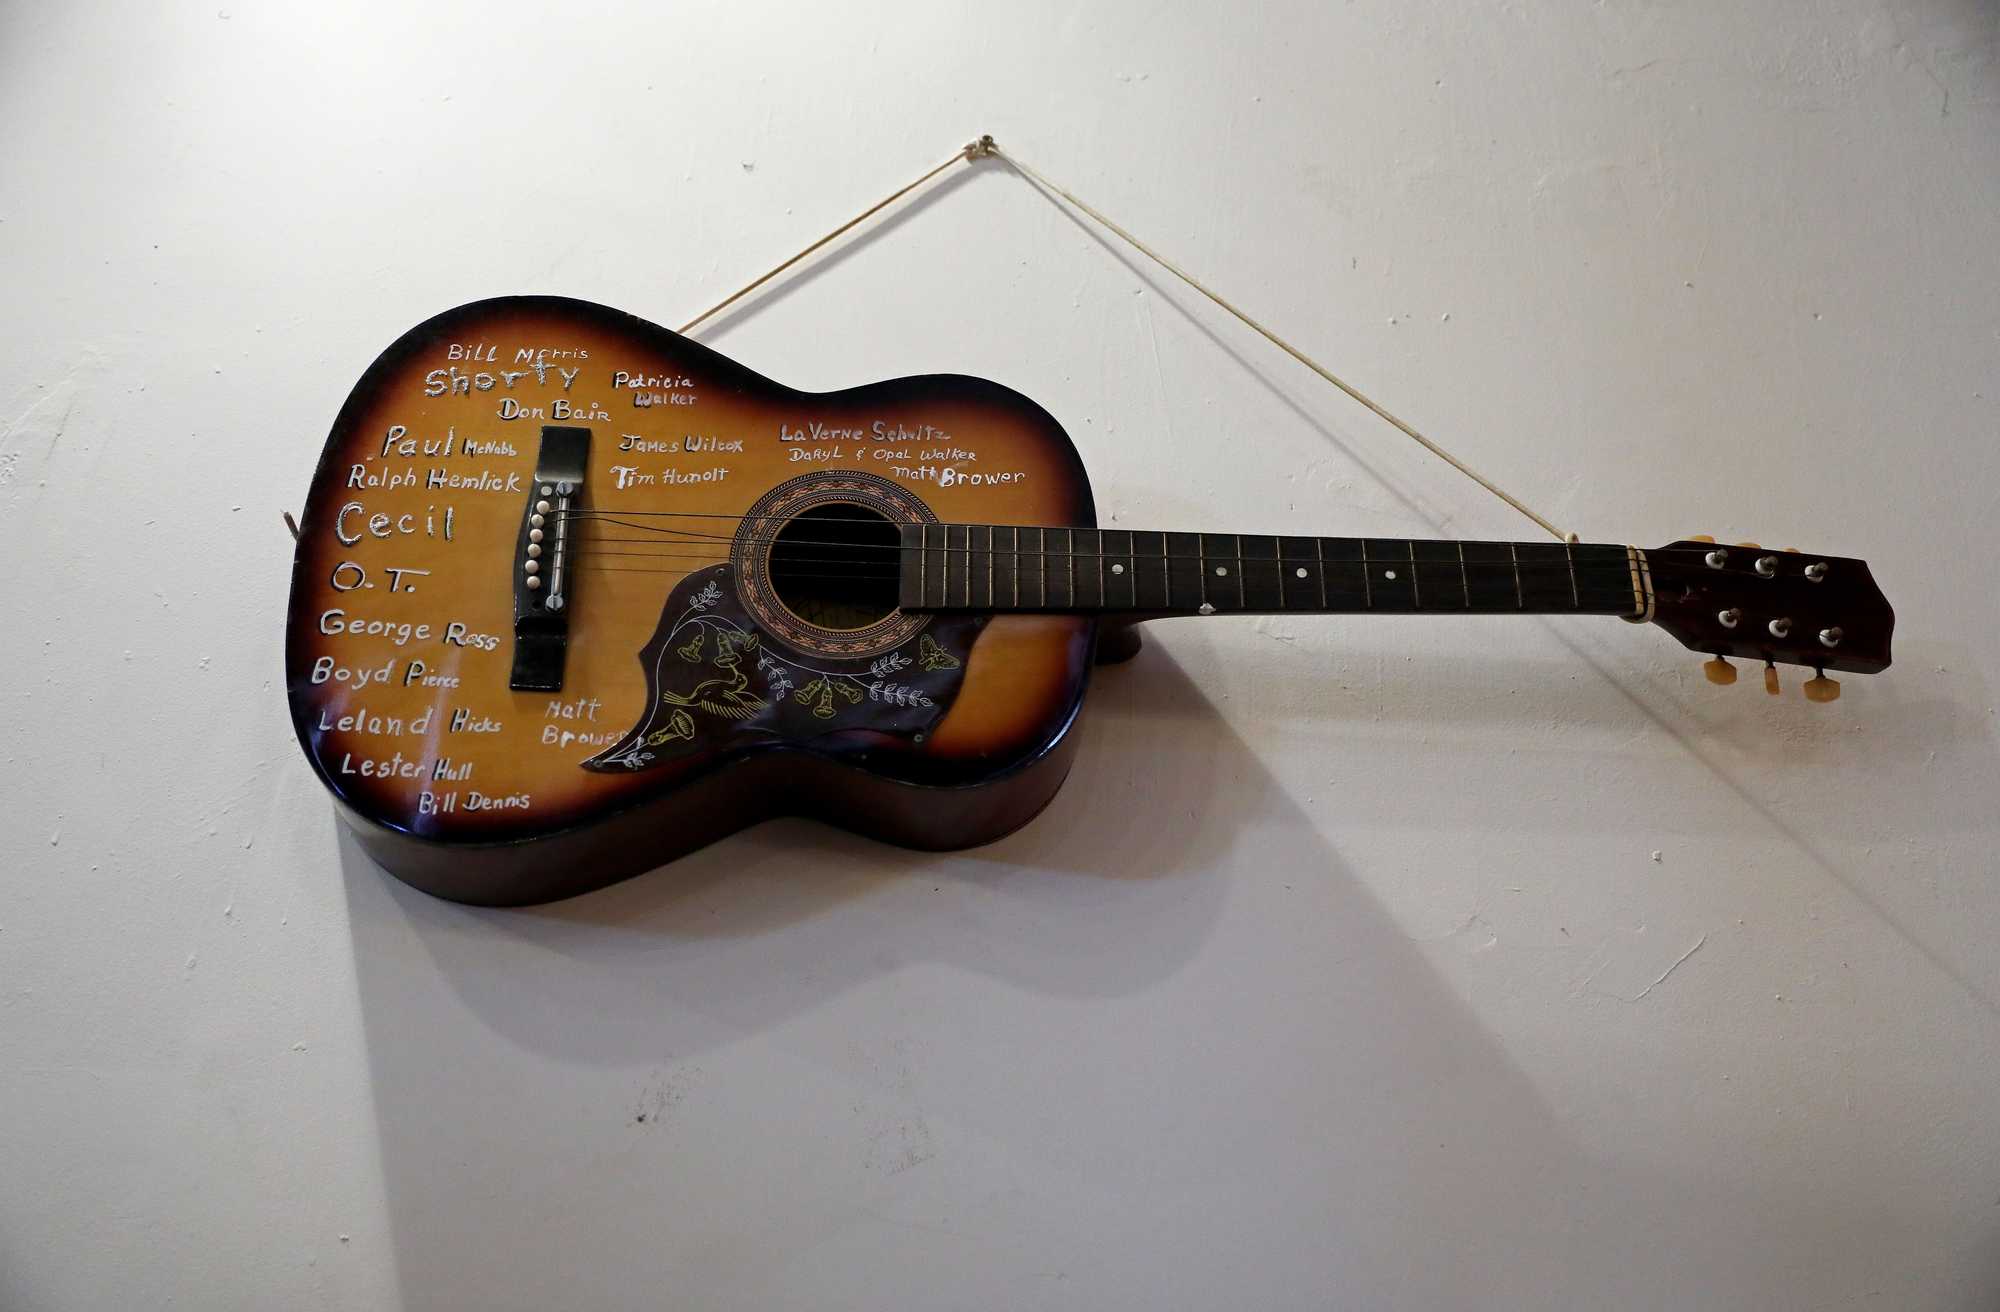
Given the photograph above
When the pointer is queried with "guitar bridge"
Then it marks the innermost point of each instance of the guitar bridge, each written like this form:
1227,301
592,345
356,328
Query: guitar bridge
544,565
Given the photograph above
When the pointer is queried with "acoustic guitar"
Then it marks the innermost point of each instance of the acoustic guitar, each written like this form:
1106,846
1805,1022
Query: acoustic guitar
574,595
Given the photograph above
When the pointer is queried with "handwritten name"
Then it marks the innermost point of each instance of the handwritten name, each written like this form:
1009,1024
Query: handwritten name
693,442
455,380
946,476
624,476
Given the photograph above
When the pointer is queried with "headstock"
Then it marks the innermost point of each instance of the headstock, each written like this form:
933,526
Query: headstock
1779,607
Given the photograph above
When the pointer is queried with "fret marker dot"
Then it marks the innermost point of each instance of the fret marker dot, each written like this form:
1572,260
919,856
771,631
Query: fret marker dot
1117,569
1221,571
1388,573
1302,571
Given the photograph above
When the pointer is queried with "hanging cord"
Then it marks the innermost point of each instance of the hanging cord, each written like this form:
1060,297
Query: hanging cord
985,146
970,151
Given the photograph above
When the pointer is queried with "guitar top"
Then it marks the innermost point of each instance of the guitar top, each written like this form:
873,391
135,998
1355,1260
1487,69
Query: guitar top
574,594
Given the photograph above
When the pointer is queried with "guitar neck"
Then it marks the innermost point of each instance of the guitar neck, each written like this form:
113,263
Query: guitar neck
1004,567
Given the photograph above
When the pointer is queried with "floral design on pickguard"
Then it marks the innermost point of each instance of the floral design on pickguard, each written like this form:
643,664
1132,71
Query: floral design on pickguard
714,679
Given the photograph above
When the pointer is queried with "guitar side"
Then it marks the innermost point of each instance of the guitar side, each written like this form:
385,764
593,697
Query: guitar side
402,625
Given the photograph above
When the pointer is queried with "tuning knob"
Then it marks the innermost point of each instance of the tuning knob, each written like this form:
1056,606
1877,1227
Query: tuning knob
1819,688
1719,671
1701,537
1770,678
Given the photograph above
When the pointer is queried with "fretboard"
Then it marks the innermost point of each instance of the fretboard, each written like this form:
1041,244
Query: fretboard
1004,567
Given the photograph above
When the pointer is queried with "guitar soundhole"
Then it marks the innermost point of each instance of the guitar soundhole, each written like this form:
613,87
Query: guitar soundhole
835,565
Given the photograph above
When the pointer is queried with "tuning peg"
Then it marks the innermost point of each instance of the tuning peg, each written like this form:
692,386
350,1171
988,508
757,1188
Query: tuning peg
1792,550
1752,545
1819,688
1719,671
1701,537
1770,678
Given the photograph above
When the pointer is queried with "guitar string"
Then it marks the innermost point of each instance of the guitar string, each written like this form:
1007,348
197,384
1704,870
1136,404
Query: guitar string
1611,583
1619,564
1610,589
1621,567
1590,595
1444,574
1618,569
619,516
1614,576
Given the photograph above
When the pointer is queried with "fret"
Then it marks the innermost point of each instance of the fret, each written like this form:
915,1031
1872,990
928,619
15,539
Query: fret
1299,574
1221,575
1058,569
1120,581
957,578
1263,573
1007,567
1187,589
910,564
945,565
1492,579
1440,582
1344,574
932,591
1392,575
1545,576
1033,569
1604,578
980,570
1575,597
1520,601
1087,578
1013,567
968,565
1149,570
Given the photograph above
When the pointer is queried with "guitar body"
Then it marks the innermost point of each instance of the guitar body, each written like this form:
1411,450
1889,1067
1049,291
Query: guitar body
707,675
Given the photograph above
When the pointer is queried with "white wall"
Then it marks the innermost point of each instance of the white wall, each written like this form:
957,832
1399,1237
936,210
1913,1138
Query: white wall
1342,974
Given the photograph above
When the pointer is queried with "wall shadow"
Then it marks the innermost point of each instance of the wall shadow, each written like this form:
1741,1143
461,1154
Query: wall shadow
504,1048
698,932
1912,730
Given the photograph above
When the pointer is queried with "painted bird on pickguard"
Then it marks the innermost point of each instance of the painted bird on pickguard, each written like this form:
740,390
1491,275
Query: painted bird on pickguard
728,697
